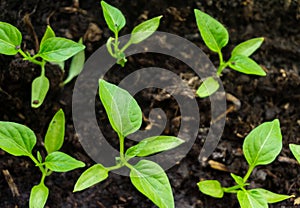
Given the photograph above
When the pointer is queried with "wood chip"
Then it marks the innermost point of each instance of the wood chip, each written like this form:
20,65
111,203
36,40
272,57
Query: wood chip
218,166
13,188
297,201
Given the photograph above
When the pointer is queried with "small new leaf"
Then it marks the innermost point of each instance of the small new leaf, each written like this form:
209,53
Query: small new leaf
54,138
211,187
248,47
295,149
113,17
90,177
208,87
76,65
213,33
38,196
151,180
263,144
238,179
61,162
272,197
16,139
49,33
245,65
58,49
123,112
153,145
10,39
39,89
144,30
251,199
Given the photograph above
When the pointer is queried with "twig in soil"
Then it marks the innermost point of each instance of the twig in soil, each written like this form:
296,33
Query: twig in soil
10,181
28,23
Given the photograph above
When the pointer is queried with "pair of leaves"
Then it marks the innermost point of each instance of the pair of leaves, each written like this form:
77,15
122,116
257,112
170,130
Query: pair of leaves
215,36
57,49
116,21
52,49
257,197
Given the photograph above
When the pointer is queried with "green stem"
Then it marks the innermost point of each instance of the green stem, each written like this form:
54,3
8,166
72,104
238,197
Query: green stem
222,64
248,173
125,46
43,68
232,189
29,58
37,163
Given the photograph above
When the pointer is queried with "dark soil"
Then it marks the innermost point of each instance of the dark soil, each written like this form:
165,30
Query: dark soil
262,98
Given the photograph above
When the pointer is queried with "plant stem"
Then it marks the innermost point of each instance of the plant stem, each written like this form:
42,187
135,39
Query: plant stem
37,163
232,189
248,173
29,58
125,46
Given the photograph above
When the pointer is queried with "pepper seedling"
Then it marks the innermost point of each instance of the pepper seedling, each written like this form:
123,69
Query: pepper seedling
261,147
52,49
19,140
215,37
125,117
115,20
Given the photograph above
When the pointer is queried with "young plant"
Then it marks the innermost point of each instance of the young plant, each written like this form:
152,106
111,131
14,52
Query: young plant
215,37
19,140
125,117
295,149
52,49
116,21
261,147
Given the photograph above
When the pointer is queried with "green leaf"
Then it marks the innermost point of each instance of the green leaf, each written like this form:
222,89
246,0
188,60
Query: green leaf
144,30
238,179
151,180
10,39
61,162
153,145
113,17
211,187
49,33
39,89
263,144
76,65
38,196
272,197
208,87
122,109
246,65
16,139
248,47
251,199
54,138
213,33
90,177
295,149
39,157
59,49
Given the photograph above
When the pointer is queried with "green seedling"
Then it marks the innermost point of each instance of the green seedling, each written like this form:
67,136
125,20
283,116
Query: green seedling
148,177
215,37
295,149
116,21
52,49
19,140
261,147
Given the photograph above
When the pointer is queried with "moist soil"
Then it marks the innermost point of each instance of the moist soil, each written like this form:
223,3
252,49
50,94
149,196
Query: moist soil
255,99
